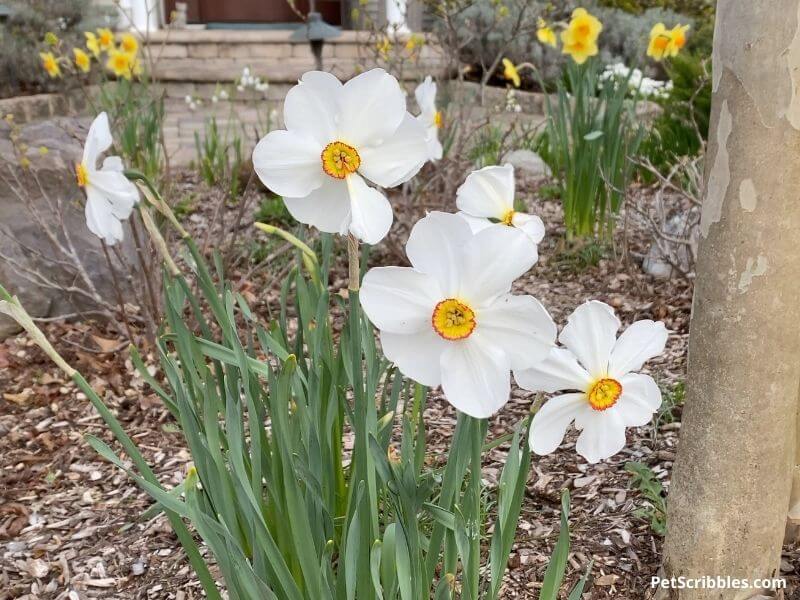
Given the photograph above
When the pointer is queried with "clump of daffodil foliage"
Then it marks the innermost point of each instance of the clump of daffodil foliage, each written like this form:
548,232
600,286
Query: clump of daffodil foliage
311,477
592,129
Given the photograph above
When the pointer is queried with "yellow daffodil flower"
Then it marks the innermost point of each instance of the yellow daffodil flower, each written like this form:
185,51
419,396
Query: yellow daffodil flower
660,39
121,64
545,34
128,43
82,60
510,72
579,50
579,39
105,38
384,46
92,44
50,64
677,39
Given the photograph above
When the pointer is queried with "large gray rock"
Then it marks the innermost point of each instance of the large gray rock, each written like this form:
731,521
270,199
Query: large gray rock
45,179
682,226
528,162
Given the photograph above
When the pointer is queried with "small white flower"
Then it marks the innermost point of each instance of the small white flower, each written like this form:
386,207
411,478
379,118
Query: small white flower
110,196
192,105
450,319
430,116
188,99
214,99
336,138
240,88
608,396
223,94
486,199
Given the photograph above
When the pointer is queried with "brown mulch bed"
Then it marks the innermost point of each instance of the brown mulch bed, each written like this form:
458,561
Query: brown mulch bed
69,525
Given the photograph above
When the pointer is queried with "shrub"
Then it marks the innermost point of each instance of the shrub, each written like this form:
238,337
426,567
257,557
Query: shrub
682,127
21,38
485,28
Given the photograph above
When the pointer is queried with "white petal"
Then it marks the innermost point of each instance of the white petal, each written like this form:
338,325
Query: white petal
289,163
476,223
327,208
639,400
531,225
372,106
113,163
435,149
488,192
118,190
435,246
602,435
98,140
551,421
370,212
426,95
559,371
397,158
100,218
311,107
492,260
417,355
519,325
590,334
476,377
399,299
638,343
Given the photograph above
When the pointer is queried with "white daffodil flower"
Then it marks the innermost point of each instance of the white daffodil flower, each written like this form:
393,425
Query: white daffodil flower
486,198
430,116
450,319
608,396
337,137
110,196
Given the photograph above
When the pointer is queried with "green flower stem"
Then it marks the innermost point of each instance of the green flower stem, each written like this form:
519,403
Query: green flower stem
361,507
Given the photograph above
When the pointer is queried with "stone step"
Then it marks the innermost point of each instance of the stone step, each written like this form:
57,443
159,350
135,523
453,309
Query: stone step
219,55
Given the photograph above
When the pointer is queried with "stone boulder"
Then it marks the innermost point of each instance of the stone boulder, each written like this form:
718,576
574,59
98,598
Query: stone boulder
679,226
528,162
38,160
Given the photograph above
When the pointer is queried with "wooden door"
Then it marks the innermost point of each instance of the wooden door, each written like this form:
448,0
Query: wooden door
256,11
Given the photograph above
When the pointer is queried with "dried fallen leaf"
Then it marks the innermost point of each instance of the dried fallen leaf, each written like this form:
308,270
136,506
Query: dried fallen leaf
609,579
105,344
21,398
37,568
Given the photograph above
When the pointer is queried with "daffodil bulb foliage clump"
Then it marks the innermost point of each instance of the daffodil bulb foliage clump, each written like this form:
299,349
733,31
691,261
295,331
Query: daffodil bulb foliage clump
340,141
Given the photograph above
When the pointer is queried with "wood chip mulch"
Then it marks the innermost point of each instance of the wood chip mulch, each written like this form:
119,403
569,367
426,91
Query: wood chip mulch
69,521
